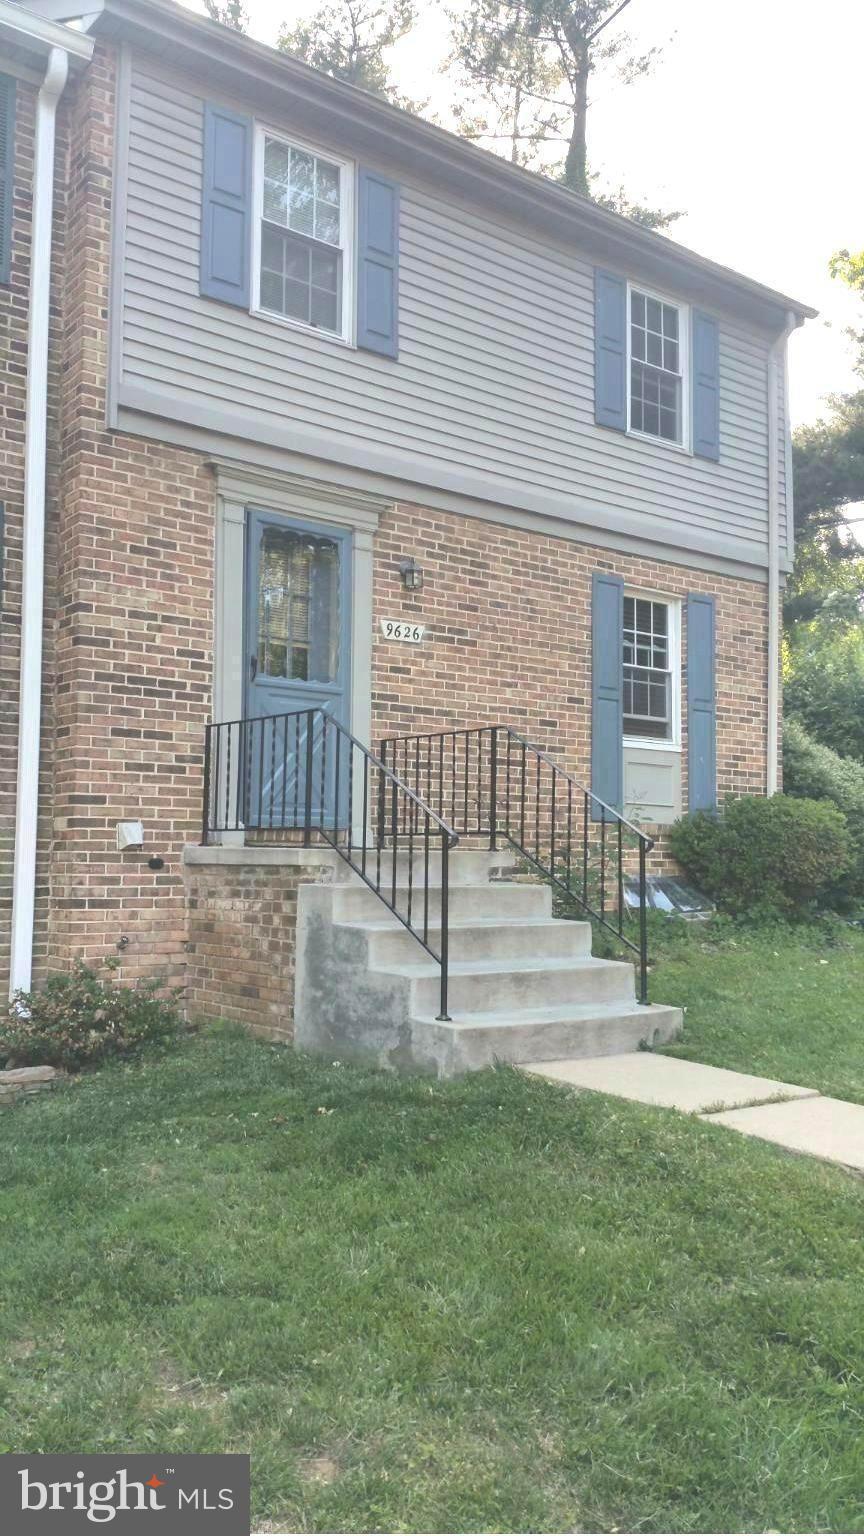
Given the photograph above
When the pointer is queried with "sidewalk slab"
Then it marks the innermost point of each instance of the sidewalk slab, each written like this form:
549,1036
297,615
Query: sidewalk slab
826,1128
669,1082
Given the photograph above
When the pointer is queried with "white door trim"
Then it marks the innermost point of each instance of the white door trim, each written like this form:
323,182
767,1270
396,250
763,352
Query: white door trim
238,488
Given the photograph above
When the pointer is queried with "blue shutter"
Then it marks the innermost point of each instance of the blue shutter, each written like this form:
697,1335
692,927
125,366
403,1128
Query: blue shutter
378,264
7,173
226,209
701,706
706,386
607,677
610,350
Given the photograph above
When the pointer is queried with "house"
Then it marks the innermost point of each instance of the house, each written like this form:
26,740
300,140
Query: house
323,428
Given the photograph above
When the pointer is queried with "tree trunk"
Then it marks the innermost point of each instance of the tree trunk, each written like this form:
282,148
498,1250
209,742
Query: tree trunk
576,164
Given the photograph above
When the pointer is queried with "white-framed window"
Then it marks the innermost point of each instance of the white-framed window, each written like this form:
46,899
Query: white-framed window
652,669
304,235
657,367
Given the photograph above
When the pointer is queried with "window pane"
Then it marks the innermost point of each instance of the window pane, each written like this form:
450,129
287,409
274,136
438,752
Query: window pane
637,343
271,249
637,308
275,202
277,159
327,184
298,606
301,280
670,321
296,300
670,356
325,270
271,291
652,314
326,222
324,310
301,210
303,171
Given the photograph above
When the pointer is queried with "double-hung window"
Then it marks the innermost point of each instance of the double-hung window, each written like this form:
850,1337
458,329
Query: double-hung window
657,349
651,668
305,226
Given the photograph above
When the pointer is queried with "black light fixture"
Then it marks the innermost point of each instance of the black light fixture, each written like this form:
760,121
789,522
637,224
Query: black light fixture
412,575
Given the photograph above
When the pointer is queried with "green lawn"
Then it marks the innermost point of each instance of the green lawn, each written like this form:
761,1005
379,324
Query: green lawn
776,1002
480,1305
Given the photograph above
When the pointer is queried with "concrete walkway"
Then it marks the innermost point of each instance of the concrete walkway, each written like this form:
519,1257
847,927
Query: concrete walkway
785,1113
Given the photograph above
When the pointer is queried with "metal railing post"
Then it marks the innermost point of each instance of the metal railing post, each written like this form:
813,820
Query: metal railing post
443,1015
643,927
493,790
307,798
205,808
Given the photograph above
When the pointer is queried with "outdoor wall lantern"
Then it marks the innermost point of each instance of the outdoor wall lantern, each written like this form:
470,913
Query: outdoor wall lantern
412,575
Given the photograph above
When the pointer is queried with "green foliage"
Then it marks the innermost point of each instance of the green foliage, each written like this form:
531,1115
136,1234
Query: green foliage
812,771
231,14
348,39
824,686
765,856
80,1019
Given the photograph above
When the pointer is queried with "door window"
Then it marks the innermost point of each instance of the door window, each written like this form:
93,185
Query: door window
298,606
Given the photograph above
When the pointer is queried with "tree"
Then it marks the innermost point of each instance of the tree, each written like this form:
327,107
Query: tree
527,65
232,14
348,39
828,460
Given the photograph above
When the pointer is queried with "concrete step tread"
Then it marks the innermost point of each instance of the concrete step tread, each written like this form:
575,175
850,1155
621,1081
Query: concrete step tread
388,923
579,964
575,1013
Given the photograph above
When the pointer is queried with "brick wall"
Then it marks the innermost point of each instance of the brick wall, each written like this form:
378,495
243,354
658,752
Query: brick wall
134,616
509,640
242,926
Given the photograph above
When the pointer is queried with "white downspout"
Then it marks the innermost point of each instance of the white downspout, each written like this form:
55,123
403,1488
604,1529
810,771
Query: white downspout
777,353
33,585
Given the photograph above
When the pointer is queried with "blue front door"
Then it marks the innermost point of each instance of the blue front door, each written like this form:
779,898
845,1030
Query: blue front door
298,627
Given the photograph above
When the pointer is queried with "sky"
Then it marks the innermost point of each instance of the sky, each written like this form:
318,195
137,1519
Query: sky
750,122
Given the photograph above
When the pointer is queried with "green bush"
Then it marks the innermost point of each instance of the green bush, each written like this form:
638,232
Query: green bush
80,1019
825,686
815,772
765,856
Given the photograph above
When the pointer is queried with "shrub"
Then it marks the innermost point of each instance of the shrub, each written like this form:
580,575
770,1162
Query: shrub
770,856
825,686
815,772
79,1019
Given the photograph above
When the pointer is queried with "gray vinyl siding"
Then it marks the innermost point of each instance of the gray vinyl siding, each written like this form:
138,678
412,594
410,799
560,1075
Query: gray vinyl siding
494,381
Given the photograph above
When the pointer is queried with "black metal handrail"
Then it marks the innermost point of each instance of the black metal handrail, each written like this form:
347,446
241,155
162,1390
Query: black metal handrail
303,771
490,781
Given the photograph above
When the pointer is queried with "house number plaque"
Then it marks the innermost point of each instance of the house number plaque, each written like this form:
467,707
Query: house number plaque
404,630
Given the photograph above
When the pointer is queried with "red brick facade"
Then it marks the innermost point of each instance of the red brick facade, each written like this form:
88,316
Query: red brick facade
129,634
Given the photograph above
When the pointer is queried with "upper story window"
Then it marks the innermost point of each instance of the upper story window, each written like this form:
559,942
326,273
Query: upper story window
657,343
304,248
651,668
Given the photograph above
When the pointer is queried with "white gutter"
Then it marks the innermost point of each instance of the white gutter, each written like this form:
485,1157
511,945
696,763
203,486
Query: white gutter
33,585
775,357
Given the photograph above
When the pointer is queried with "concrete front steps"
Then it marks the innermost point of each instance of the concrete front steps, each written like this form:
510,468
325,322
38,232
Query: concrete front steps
524,986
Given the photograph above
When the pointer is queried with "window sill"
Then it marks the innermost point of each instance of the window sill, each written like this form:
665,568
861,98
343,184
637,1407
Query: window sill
659,442
652,742
298,325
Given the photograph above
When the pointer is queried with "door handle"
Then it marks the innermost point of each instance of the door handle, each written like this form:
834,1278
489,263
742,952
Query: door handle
253,667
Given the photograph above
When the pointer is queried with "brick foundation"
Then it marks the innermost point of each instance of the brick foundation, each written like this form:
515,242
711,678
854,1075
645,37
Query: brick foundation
242,920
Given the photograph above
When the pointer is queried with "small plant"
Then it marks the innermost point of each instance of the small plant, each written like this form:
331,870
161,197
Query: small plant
81,1018
777,856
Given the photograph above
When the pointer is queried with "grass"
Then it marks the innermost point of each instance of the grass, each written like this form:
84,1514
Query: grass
777,1001
480,1305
